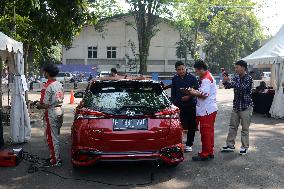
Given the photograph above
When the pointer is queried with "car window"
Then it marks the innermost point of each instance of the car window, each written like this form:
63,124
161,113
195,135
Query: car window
113,98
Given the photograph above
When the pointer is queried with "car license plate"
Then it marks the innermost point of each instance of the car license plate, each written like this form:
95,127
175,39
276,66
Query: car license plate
130,124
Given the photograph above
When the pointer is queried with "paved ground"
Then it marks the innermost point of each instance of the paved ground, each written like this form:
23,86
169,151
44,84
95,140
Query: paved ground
263,167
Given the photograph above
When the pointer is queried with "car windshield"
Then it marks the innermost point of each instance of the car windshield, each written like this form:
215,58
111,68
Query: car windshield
118,97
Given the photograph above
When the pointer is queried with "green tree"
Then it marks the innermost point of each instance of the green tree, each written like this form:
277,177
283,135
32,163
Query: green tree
42,24
184,47
233,34
105,8
225,29
46,55
147,16
193,15
132,62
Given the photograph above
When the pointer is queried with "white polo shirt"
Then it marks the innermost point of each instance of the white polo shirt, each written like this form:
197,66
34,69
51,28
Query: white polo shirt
207,88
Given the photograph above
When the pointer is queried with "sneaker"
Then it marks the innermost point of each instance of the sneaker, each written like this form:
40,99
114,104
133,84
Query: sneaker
211,156
49,164
59,163
188,149
200,158
228,148
243,151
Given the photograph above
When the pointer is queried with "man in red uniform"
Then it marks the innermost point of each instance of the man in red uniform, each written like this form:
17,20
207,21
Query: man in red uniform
51,101
206,109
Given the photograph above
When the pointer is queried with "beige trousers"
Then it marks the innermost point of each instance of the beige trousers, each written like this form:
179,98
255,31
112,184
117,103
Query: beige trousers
243,117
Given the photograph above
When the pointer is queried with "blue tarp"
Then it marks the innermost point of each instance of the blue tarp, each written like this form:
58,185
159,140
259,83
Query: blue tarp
155,76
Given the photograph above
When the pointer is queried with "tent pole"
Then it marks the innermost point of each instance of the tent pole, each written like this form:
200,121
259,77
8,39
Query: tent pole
9,78
1,123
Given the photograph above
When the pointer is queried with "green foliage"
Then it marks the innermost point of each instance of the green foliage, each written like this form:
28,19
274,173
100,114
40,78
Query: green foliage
42,24
105,8
147,17
46,55
132,59
233,34
191,22
225,29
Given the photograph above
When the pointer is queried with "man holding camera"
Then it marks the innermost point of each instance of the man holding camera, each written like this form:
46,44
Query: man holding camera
51,101
242,107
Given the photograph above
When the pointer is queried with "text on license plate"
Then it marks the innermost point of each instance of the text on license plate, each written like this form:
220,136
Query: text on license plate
128,124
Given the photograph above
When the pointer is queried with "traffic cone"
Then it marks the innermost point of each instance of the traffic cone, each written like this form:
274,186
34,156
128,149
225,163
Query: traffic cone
72,98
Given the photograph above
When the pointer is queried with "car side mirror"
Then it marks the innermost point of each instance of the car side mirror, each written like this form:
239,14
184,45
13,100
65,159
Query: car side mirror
79,95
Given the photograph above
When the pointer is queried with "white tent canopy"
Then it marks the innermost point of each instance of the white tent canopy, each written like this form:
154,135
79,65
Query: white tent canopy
272,54
12,52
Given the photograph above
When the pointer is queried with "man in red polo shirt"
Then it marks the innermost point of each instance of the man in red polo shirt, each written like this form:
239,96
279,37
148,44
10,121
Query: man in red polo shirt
206,109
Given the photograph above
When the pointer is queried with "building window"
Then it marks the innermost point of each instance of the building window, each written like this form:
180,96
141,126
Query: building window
92,52
111,52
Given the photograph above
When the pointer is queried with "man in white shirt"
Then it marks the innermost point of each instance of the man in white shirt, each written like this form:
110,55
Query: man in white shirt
206,109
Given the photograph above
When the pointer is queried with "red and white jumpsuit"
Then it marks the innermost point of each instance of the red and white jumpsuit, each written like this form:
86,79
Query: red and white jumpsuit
206,111
52,96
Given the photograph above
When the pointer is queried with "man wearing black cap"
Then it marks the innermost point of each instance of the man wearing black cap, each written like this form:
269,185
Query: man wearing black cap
242,107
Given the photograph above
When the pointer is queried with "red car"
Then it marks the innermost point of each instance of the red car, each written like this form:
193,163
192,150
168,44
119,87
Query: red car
126,120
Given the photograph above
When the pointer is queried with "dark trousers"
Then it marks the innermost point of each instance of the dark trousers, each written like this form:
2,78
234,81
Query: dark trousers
188,121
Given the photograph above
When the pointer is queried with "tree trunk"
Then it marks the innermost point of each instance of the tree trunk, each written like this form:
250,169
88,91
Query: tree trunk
26,54
26,65
145,23
144,53
143,65
30,60
195,39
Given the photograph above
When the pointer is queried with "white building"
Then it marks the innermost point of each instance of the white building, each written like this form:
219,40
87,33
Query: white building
110,46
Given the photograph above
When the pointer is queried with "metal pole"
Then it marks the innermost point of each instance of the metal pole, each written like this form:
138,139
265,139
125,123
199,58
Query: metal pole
1,130
1,123
9,78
